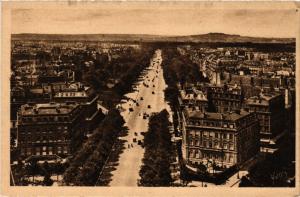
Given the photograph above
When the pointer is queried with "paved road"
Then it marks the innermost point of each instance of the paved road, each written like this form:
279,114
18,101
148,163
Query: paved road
127,172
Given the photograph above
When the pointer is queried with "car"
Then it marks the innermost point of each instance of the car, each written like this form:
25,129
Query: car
137,104
143,133
135,133
149,106
152,92
134,140
142,98
145,115
131,109
139,142
154,86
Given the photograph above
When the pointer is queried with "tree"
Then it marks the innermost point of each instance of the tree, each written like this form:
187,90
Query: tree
47,180
201,168
46,168
33,168
245,182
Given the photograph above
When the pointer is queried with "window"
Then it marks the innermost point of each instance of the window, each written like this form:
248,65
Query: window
230,159
65,149
28,151
231,147
216,135
230,136
50,150
196,153
216,145
231,126
37,151
196,142
210,144
59,150
22,151
225,146
191,142
225,125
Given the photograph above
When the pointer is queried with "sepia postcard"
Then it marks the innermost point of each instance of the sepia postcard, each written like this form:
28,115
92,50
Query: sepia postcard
150,98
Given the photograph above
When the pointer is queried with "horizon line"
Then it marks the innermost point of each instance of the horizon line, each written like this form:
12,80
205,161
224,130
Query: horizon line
161,35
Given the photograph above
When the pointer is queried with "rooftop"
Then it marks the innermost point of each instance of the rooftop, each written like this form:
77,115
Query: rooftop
48,108
229,116
193,94
262,99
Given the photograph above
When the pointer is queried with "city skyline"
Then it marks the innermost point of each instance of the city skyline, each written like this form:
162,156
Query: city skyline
152,21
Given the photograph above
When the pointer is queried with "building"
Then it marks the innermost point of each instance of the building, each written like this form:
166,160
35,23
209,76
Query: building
193,99
49,129
225,98
85,96
270,110
226,139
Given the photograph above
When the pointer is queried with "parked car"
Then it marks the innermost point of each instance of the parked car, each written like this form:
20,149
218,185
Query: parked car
131,109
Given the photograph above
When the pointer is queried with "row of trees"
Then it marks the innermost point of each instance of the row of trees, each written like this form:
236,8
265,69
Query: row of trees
159,154
112,79
85,167
124,68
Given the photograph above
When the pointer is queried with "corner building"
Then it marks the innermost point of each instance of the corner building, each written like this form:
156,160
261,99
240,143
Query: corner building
224,138
49,129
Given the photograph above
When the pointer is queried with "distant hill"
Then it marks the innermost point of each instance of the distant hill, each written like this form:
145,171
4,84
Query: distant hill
210,37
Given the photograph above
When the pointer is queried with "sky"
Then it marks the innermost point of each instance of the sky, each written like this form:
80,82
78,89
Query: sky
245,22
